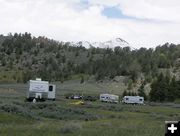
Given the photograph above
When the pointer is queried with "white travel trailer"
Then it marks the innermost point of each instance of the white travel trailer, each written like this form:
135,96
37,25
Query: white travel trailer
41,90
109,98
133,100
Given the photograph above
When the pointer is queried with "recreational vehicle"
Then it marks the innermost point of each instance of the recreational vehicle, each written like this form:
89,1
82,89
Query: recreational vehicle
133,100
109,98
40,90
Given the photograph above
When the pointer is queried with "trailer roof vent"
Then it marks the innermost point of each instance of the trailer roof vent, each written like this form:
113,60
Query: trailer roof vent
38,79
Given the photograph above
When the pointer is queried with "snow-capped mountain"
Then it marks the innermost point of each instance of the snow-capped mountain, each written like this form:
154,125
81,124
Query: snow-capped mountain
108,44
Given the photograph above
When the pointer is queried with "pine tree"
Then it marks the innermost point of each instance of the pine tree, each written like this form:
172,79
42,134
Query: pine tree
177,93
26,76
130,84
82,79
124,93
171,94
141,92
159,89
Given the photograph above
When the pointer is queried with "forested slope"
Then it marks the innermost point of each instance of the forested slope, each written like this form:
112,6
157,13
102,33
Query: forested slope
23,57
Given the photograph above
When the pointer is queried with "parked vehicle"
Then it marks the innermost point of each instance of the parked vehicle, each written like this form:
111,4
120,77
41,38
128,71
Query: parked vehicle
40,90
72,96
80,102
68,96
109,98
77,97
133,100
89,98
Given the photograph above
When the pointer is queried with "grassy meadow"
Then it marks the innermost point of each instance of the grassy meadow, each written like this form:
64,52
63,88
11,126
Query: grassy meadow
62,118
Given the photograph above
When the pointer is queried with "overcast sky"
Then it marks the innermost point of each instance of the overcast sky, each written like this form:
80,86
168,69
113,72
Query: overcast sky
142,23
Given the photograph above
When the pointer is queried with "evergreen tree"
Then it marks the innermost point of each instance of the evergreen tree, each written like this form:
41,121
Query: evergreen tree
129,93
159,89
124,93
26,76
82,79
171,94
130,84
141,92
177,92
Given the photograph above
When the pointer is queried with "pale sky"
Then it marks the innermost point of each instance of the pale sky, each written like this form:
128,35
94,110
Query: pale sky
142,23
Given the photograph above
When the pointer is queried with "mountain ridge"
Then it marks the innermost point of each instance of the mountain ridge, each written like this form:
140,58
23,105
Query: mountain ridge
107,44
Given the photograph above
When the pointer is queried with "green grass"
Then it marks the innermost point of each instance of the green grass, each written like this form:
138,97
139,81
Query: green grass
10,76
92,119
177,101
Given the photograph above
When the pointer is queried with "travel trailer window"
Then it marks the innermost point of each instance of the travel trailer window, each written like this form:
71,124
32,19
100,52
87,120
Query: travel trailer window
127,98
140,99
51,88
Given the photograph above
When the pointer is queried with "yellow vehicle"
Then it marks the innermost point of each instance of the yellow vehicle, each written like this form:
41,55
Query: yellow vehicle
78,103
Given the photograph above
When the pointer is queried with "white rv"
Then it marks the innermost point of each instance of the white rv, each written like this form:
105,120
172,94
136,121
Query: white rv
41,90
133,100
109,98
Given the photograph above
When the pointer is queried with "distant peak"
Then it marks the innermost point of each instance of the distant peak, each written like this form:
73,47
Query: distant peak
108,44
121,40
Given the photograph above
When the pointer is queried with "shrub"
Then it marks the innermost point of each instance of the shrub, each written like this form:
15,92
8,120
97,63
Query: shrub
71,127
105,124
67,114
15,109
109,107
112,116
40,105
122,117
90,117
157,116
18,103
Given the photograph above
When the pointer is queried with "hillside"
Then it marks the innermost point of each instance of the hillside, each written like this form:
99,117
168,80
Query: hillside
24,57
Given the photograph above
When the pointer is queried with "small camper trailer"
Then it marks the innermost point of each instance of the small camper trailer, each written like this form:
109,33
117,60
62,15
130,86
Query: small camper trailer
40,90
109,98
133,100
